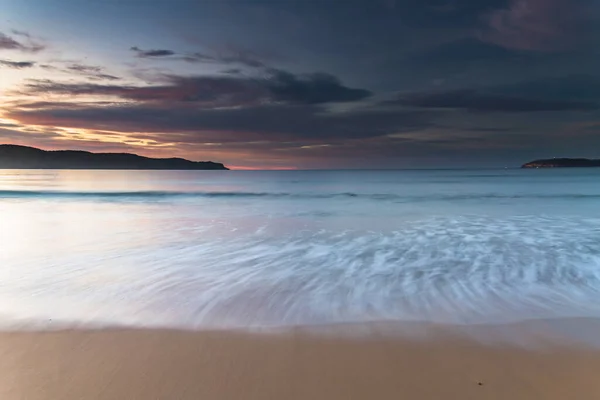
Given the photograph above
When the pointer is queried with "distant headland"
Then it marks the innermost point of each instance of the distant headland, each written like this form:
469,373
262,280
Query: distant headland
23,157
563,163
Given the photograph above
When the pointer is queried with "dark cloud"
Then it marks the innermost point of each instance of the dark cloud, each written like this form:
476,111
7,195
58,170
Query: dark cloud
483,102
198,58
536,25
91,72
28,45
308,136
572,87
219,91
465,51
461,65
472,128
562,93
232,71
224,55
266,122
49,67
209,91
314,88
103,77
38,105
8,43
16,64
240,57
87,69
3,125
24,34
152,53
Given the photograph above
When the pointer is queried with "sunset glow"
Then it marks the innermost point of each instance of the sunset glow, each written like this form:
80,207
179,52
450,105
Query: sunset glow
223,92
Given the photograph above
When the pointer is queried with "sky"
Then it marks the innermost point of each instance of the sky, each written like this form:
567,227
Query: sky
305,84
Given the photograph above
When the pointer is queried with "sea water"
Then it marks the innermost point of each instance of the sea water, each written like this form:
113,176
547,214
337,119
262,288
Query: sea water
214,249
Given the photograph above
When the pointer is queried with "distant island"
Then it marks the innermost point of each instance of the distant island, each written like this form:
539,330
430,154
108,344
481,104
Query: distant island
563,163
23,157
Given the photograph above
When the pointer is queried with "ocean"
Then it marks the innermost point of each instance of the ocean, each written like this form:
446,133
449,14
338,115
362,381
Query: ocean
243,249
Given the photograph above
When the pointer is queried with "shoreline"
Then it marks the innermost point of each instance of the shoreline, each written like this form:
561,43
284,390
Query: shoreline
572,331
295,364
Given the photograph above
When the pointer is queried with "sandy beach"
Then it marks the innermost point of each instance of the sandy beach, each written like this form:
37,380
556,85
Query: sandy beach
154,364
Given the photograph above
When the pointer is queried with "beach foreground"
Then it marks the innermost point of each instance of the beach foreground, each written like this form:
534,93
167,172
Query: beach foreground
154,364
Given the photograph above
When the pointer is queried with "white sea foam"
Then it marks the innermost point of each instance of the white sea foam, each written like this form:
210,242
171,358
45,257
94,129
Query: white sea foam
239,261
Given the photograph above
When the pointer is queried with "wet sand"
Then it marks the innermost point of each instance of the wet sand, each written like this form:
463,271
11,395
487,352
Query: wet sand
157,364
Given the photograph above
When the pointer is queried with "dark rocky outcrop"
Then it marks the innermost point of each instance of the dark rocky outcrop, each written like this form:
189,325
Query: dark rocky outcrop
563,163
22,157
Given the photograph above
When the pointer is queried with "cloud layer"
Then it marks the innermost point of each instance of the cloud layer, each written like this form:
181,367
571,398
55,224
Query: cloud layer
219,91
16,64
225,55
21,41
151,53
463,79
475,101
538,25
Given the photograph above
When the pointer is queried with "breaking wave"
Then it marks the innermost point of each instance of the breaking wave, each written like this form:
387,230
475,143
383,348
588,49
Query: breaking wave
454,270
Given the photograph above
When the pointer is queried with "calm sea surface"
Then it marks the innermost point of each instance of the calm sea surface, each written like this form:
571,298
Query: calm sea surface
193,249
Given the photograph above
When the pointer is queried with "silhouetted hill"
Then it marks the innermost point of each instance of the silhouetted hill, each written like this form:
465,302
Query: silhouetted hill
22,157
562,163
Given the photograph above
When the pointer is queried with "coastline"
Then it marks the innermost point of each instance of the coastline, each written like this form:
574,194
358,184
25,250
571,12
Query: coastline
436,363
